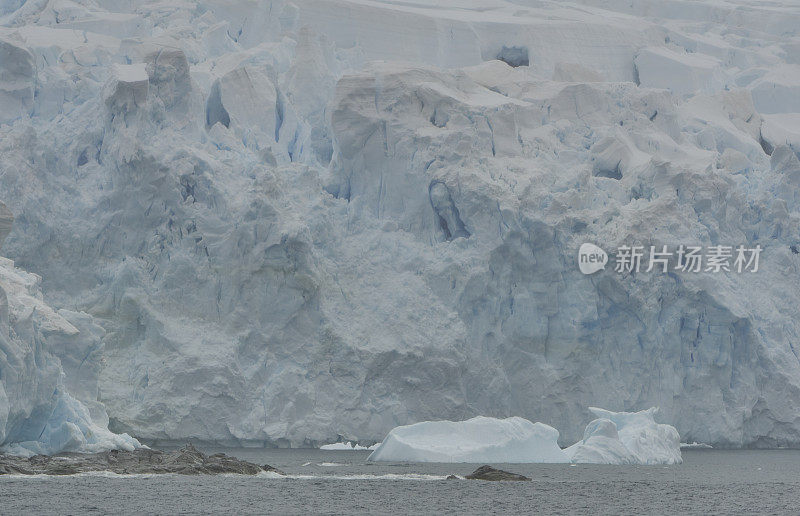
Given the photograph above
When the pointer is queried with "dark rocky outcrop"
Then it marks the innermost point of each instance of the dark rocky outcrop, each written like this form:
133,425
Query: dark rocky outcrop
487,472
186,461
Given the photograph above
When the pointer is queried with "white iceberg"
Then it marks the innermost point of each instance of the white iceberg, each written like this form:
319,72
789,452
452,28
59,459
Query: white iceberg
612,438
480,439
627,438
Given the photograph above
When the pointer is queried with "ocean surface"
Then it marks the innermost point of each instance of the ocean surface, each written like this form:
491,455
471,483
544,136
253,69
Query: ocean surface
343,482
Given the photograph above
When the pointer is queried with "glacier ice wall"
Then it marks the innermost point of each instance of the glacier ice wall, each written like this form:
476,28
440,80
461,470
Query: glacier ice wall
289,222
38,412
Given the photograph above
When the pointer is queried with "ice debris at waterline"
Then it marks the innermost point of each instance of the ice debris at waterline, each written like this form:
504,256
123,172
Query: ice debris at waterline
186,461
348,446
41,410
696,446
612,438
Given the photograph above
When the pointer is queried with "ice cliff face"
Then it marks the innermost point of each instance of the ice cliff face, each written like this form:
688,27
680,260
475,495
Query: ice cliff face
279,239
40,412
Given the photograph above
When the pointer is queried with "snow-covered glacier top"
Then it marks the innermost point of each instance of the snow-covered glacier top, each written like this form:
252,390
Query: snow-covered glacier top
305,222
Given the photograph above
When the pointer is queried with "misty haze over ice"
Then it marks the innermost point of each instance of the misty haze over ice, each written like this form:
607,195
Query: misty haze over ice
295,222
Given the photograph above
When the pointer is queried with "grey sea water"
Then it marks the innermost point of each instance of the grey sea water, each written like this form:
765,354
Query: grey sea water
343,482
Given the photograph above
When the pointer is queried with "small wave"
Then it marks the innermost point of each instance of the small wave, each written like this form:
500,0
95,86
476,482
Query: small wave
271,475
387,476
101,474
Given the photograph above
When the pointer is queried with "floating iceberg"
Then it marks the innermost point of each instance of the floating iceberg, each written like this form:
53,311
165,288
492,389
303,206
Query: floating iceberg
613,438
627,438
480,439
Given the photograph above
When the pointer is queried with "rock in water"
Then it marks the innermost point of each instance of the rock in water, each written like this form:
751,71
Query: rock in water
487,472
186,461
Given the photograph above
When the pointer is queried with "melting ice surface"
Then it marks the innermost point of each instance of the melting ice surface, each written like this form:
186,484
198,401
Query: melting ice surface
613,438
